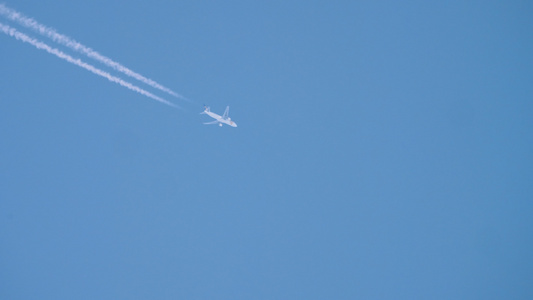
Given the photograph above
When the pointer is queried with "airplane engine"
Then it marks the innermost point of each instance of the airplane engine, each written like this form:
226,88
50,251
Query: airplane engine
220,124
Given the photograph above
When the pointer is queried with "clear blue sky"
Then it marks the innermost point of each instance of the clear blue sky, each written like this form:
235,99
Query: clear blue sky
384,151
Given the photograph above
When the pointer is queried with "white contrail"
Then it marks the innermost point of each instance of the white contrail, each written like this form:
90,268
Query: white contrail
40,45
72,44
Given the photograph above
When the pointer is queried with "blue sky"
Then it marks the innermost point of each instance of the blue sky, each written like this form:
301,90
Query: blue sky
384,151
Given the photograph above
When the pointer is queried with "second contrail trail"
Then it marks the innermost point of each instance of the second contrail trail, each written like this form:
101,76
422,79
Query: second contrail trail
40,45
72,44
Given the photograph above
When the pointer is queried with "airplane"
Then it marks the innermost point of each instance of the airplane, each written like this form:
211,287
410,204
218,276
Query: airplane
224,119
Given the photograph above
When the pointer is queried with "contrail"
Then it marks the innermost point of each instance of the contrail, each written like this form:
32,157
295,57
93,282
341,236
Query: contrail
40,45
72,44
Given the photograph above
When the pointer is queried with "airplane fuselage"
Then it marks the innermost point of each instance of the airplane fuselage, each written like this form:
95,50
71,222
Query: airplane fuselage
221,120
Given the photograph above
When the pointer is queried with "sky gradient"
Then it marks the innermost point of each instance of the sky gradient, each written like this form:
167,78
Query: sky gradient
384,151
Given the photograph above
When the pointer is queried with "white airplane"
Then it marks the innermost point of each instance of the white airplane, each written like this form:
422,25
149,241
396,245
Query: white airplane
224,119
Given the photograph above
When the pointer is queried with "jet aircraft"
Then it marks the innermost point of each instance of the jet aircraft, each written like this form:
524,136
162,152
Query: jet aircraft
224,119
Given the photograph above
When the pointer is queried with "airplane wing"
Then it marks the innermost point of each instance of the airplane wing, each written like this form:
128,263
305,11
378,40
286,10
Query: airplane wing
226,113
210,123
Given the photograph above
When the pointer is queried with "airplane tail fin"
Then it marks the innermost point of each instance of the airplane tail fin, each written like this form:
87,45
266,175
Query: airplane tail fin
206,109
